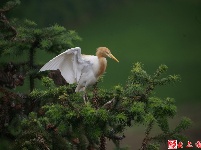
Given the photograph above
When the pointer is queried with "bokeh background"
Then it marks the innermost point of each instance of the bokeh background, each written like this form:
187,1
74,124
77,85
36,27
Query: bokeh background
153,32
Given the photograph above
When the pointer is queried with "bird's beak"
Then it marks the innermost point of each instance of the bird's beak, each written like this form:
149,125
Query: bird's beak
111,56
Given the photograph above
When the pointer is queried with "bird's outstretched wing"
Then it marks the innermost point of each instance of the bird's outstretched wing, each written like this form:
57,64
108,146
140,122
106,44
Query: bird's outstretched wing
70,63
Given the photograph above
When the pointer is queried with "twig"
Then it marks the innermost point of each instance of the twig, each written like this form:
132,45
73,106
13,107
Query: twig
146,139
102,143
31,63
108,104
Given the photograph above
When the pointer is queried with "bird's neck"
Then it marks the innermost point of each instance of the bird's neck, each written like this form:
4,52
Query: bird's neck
102,66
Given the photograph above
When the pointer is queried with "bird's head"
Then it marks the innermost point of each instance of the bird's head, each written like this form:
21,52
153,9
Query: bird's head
105,52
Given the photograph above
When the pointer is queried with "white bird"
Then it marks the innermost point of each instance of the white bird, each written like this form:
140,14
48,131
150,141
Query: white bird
79,68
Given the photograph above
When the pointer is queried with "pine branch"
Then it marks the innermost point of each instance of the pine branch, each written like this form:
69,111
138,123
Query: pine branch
6,22
9,6
11,94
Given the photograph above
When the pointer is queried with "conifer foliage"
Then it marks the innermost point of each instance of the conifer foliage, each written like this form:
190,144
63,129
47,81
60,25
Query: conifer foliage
51,116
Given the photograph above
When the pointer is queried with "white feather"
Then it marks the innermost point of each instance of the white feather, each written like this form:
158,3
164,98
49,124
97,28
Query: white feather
75,68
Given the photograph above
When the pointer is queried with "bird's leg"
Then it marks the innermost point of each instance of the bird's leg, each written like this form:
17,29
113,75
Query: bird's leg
85,98
95,95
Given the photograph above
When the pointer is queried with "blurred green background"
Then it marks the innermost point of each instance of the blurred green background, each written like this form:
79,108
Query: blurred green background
153,32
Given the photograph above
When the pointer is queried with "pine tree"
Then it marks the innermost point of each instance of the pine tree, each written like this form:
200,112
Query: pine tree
52,116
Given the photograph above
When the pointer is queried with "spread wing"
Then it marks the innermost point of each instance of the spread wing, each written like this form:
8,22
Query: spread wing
70,63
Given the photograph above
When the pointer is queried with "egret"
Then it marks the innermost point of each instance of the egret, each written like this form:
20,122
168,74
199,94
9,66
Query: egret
79,68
